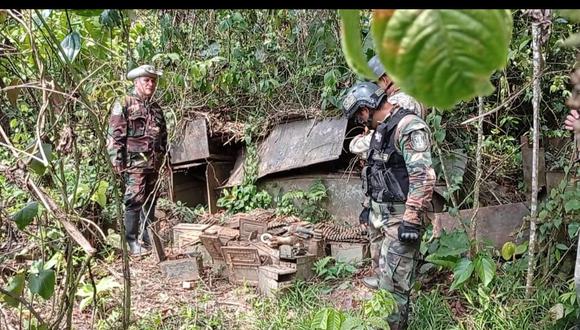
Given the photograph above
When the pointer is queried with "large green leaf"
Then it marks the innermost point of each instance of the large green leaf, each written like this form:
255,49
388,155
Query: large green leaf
100,195
327,319
15,287
572,205
485,268
35,165
444,56
572,14
508,250
462,272
71,45
42,283
25,216
352,44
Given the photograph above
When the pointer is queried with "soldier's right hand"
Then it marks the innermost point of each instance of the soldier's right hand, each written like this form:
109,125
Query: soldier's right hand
572,121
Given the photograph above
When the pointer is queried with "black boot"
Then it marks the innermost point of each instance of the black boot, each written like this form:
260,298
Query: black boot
131,232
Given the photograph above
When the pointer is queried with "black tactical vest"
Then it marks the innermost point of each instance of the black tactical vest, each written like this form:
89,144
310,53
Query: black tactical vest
386,174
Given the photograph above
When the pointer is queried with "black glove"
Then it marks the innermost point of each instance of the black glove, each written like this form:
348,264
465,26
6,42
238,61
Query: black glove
409,232
363,218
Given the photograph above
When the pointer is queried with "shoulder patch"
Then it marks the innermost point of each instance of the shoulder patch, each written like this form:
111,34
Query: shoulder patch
117,109
419,140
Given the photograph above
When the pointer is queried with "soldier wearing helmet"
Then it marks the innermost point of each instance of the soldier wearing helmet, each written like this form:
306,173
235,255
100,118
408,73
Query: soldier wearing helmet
396,97
137,144
399,180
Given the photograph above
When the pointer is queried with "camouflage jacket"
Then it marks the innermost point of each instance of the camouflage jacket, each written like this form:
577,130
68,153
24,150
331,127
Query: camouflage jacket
137,135
413,142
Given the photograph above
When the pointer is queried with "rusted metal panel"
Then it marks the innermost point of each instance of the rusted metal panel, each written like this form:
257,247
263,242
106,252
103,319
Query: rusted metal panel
344,192
295,145
499,223
192,144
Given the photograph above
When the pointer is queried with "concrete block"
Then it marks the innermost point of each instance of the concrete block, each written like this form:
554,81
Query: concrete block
349,252
187,269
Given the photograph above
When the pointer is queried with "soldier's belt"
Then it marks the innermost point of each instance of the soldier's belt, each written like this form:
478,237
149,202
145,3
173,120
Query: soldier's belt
394,207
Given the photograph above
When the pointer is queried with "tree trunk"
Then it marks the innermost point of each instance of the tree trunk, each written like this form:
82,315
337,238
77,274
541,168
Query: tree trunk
536,35
478,170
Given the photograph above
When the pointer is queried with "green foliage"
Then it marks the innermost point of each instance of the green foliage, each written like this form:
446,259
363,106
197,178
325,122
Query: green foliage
351,43
431,310
428,55
372,316
42,283
329,268
244,198
305,205
247,196
25,216
15,287
508,250
102,288
448,253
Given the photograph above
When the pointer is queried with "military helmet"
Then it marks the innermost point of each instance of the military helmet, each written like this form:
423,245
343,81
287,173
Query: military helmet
364,94
377,67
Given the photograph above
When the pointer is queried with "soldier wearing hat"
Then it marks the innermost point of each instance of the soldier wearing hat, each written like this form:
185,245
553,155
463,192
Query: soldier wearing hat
137,144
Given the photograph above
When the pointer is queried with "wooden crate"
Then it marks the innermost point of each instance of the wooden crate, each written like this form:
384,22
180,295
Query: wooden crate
248,226
273,278
243,263
187,234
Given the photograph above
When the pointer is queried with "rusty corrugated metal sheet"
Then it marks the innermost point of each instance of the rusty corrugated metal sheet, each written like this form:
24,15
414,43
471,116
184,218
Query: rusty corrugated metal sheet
192,144
296,144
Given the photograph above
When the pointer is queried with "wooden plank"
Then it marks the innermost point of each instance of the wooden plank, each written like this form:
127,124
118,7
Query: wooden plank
158,250
216,174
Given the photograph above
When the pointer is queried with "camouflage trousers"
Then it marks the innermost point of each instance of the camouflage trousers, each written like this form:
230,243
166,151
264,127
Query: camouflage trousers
375,237
140,200
397,262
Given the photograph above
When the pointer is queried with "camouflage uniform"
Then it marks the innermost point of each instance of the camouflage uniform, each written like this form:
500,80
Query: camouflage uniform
137,142
398,259
360,145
